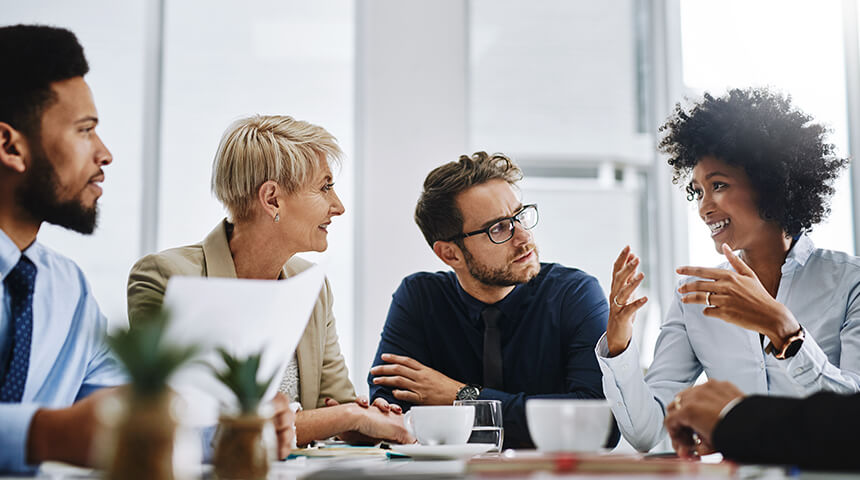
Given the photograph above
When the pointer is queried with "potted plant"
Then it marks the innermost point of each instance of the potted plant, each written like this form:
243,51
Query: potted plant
146,426
241,448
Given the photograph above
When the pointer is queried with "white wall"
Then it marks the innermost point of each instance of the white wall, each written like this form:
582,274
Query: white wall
114,50
410,118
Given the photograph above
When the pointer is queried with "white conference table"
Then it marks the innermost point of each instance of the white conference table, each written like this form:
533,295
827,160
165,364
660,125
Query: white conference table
366,468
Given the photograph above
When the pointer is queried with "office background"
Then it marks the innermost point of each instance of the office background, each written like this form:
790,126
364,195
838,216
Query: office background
572,90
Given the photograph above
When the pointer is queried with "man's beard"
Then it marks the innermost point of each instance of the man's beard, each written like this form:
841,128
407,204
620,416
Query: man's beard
37,196
499,276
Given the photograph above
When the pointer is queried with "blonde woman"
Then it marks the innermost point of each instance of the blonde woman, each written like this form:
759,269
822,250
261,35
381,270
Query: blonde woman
273,176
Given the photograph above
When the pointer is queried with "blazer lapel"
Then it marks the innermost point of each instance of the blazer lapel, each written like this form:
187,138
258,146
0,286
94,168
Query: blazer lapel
309,358
216,253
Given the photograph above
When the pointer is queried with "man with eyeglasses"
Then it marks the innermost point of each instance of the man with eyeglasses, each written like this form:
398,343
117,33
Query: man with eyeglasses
501,325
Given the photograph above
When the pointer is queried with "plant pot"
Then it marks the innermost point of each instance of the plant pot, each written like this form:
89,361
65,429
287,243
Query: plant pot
143,439
243,447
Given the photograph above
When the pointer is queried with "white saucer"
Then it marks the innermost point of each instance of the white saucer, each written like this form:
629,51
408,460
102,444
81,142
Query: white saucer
442,451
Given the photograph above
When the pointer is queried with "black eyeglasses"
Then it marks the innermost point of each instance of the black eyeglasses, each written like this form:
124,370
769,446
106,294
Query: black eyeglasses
503,230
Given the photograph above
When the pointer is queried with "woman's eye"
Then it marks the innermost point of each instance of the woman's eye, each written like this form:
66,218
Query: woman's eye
328,187
719,185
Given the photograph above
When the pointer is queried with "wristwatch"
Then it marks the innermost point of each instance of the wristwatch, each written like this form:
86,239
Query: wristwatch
470,391
790,345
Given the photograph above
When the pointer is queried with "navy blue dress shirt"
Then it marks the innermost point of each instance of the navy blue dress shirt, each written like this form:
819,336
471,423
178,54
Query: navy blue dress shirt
549,328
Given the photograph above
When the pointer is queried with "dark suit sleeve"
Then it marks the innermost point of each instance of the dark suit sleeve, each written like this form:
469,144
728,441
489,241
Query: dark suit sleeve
818,432
583,315
401,335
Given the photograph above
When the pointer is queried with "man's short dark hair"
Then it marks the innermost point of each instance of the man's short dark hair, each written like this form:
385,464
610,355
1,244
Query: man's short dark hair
34,56
790,164
437,214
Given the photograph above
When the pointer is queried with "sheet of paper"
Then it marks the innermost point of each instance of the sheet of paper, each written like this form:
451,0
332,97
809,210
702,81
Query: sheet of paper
242,316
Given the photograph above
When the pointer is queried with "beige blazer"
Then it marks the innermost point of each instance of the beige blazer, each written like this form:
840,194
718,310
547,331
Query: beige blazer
322,370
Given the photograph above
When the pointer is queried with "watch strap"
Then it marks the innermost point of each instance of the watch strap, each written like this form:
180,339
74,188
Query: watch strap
790,346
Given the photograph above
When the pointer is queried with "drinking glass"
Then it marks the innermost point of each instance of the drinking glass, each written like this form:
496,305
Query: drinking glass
488,422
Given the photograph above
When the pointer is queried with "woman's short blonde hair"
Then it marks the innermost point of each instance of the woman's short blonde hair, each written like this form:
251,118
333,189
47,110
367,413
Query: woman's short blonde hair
259,148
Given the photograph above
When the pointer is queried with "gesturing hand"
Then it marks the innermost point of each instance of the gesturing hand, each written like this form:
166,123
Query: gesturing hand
693,415
738,297
414,382
622,311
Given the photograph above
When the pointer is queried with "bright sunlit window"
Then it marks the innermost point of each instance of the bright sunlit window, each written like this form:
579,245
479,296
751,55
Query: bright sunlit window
794,47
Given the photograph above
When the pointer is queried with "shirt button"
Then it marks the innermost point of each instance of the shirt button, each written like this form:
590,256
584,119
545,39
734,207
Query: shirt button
798,371
619,404
762,365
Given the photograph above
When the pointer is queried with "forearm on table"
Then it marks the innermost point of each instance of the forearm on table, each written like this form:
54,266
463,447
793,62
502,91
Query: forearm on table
326,422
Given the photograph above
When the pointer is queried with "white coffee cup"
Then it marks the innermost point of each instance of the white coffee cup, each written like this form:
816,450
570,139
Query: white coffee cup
568,425
440,425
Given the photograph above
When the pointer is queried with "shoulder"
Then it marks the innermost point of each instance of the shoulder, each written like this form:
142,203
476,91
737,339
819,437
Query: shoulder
60,268
297,265
571,279
835,259
187,260
429,281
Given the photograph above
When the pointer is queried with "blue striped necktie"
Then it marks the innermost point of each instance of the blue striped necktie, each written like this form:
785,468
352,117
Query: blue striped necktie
19,287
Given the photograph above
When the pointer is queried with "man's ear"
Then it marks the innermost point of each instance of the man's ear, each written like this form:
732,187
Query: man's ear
267,195
450,253
13,148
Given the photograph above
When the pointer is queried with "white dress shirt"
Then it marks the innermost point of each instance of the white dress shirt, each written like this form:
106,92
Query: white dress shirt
822,290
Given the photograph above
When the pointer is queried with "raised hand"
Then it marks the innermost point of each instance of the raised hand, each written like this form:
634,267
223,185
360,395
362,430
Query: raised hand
622,310
738,297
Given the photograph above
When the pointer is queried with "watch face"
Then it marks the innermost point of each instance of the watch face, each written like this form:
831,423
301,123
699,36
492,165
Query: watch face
469,392
793,347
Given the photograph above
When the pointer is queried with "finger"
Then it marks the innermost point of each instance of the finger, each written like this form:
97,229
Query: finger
393,369
704,272
330,402
702,298
381,404
284,444
701,286
736,262
407,396
634,306
281,402
362,400
395,408
395,382
621,260
402,360
626,291
622,277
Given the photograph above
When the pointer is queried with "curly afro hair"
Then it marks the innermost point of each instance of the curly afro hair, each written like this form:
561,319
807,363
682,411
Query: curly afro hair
786,156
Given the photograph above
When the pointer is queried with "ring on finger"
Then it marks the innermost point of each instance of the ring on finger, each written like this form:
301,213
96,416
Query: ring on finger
676,403
708,299
615,301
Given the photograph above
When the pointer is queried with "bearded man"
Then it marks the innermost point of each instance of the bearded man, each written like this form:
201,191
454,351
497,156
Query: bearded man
501,325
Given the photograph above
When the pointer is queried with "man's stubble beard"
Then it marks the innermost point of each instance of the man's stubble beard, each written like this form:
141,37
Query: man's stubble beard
37,197
499,276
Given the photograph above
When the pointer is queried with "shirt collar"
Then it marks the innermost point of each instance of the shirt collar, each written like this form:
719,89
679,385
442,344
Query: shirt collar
799,253
9,254
509,305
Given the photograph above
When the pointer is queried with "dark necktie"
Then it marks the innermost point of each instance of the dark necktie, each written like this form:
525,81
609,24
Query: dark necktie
492,348
19,287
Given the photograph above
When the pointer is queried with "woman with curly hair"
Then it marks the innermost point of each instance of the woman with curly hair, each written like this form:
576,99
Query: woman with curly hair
781,317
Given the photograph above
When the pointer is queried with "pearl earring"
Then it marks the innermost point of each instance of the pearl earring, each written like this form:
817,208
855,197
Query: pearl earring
277,217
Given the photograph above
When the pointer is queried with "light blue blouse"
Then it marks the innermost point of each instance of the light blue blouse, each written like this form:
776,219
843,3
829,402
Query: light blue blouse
822,290
68,356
